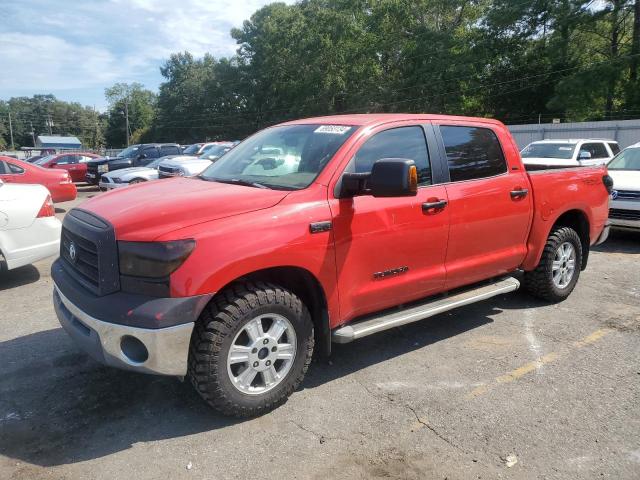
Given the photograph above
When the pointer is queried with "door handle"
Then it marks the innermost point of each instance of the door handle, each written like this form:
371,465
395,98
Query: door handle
438,205
520,193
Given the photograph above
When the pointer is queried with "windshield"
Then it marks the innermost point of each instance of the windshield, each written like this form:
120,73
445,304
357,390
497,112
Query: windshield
215,151
191,149
563,151
43,160
128,152
289,157
155,163
628,159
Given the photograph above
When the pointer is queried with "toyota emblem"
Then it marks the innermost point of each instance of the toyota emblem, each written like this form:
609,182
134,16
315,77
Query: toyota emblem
72,252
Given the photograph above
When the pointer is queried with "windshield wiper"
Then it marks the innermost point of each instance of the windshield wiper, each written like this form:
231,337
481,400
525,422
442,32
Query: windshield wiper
237,181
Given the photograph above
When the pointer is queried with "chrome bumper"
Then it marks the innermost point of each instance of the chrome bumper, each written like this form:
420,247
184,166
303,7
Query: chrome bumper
162,351
604,234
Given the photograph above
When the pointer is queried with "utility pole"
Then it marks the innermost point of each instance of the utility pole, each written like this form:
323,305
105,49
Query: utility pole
49,123
33,133
126,117
13,147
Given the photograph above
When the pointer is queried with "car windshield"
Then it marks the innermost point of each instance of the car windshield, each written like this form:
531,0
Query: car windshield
128,152
43,160
562,151
155,163
191,149
628,159
288,157
215,151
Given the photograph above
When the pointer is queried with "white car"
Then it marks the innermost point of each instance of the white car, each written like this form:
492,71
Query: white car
568,153
130,176
182,166
624,209
29,229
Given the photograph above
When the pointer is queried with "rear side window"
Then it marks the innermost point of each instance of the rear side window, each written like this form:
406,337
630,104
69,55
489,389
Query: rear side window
472,152
170,150
597,150
615,148
4,169
15,168
403,142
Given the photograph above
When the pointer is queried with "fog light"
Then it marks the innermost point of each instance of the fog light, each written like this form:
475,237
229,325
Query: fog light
134,349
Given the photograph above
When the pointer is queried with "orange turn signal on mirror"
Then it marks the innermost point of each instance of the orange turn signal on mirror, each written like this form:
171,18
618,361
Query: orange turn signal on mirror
413,179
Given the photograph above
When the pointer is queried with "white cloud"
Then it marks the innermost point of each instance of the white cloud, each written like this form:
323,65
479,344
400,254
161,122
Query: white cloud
93,44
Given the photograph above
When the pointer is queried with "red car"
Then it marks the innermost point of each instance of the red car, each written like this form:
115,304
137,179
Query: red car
58,182
313,232
74,163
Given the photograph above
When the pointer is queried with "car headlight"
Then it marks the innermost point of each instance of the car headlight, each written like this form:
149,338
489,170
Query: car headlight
153,259
180,173
103,168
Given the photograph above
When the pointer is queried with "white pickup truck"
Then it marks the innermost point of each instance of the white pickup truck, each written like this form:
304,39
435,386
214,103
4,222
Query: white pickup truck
545,154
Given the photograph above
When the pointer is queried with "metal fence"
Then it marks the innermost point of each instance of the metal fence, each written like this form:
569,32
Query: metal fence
625,132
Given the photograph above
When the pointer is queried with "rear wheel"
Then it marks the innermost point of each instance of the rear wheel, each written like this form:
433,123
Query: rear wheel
250,349
556,275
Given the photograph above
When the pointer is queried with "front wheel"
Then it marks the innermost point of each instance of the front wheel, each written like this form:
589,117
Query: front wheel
556,275
250,349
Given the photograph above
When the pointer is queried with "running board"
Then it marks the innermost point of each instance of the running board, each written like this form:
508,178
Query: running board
363,328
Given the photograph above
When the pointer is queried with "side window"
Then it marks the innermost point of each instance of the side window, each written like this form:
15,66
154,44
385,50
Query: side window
615,148
67,159
3,168
597,150
169,150
472,152
15,169
402,142
151,152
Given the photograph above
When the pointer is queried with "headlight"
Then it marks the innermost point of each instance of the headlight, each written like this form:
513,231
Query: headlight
153,259
103,168
180,173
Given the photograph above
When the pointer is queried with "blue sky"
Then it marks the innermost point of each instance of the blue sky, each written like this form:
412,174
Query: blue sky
76,48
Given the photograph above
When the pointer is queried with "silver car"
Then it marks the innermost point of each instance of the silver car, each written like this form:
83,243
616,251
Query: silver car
130,176
187,166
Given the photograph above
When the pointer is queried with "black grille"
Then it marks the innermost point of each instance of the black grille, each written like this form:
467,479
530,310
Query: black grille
167,171
94,262
621,214
85,262
628,195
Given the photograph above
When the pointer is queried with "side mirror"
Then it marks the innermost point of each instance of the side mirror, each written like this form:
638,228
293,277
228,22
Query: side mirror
142,156
584,155
389,177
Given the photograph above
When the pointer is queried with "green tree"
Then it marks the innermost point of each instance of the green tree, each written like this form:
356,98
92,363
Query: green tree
130,102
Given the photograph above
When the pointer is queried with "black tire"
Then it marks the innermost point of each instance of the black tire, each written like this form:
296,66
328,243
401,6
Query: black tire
220,322
539,282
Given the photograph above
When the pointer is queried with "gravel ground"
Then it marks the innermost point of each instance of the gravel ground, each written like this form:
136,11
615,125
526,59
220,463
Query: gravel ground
507,388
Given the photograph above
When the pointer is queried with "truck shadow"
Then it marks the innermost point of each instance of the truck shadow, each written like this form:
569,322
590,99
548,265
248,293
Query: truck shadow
621,241
19,277
58,406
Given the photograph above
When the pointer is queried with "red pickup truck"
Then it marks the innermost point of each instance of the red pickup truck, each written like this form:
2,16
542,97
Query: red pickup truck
311,232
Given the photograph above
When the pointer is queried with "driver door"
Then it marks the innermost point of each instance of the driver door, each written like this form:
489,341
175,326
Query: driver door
390,251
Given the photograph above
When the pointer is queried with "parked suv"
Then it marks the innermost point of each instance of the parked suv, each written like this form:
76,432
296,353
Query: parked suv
625,198
568,153
311,232
133,156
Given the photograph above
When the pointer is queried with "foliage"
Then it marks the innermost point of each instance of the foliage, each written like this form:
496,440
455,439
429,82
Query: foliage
136,101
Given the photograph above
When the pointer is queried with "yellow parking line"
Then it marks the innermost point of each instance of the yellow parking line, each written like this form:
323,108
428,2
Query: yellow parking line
520,372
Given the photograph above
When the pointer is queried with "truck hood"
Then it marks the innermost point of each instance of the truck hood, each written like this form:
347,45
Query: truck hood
625,179
145,211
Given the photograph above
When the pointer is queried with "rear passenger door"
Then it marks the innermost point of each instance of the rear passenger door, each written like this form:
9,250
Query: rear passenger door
489,203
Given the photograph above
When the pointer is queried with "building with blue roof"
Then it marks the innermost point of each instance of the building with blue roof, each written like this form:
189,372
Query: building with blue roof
67,143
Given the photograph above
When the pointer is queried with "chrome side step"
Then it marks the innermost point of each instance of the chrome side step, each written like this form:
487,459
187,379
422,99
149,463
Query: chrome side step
369,326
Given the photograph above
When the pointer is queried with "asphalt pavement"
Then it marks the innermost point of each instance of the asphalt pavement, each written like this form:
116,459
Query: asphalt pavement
507,388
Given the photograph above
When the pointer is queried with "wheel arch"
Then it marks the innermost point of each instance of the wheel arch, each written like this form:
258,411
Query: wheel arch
307,287
578,221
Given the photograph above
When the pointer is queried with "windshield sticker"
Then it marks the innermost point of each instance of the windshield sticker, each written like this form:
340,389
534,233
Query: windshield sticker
332,129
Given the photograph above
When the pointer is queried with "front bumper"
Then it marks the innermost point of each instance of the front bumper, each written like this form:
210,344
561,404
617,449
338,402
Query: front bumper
604,234
111,185
93,177
161,351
